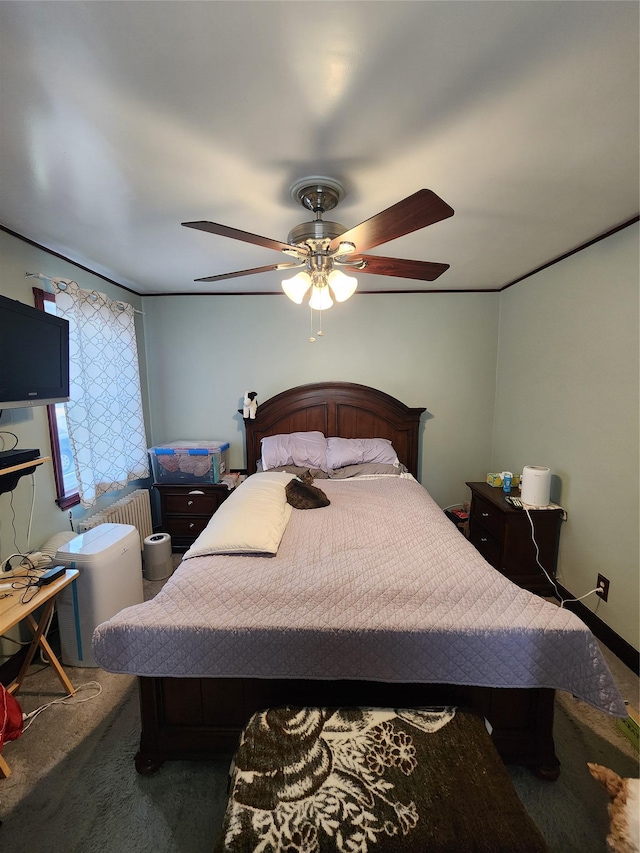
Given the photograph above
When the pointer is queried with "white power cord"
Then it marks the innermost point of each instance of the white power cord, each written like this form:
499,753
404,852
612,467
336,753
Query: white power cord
69,699
33,503
563,601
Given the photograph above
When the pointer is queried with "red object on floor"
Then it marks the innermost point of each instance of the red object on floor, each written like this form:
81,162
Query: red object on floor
462,514
10,717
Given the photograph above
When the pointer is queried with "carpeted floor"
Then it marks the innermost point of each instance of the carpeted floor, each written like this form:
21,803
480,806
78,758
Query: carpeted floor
74,789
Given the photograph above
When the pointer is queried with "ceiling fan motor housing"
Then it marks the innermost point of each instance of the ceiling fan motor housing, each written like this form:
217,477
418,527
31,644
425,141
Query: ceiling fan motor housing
318,229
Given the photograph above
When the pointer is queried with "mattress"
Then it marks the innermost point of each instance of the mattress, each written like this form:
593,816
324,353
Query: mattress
380,586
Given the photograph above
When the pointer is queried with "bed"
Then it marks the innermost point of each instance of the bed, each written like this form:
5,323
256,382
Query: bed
376,600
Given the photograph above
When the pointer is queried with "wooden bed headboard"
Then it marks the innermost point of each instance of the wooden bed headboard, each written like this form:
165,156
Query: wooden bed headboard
337,409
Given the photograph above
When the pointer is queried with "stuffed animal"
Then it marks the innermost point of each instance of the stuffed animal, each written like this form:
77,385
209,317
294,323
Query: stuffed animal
250,405
624,835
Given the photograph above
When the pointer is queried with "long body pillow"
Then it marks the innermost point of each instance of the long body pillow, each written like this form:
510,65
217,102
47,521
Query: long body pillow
251,521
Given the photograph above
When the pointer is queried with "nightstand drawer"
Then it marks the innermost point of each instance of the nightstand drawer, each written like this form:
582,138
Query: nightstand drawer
182,526
486,544
187,508
486,515
192,504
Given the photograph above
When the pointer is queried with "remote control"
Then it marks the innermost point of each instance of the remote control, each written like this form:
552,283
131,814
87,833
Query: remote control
51,575
516,502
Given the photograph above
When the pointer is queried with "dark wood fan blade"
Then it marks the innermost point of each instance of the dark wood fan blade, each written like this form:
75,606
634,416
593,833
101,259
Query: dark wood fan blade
254,271
236,234
421,270
417,211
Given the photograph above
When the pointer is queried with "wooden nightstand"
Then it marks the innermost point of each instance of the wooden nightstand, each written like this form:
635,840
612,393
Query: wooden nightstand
502,534
187,508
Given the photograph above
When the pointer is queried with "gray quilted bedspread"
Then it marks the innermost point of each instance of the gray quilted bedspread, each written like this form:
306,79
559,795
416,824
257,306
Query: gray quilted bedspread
381,586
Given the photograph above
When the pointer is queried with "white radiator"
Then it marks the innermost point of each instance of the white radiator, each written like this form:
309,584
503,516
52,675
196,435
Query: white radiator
133,509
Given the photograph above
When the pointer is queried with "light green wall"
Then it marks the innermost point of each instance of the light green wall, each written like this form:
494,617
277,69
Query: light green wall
432,350
30,425
567,398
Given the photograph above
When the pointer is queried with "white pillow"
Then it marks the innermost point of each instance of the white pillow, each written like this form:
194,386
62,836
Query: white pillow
356,451
251,521
305,449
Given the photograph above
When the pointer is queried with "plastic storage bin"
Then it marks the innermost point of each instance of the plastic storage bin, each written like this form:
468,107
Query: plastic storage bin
110,564
190,461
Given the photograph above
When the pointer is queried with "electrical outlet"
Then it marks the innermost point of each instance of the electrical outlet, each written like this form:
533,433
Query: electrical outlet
603,587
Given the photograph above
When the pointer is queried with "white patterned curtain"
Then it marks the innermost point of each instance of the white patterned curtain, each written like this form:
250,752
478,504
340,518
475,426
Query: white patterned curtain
104,415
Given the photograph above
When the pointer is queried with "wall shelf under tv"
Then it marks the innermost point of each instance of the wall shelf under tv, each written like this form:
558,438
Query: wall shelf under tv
9,476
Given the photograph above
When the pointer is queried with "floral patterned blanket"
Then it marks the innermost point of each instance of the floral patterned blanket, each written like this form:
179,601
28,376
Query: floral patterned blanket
311,780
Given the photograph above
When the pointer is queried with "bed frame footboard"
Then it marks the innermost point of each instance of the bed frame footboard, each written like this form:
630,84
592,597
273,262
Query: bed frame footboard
196,719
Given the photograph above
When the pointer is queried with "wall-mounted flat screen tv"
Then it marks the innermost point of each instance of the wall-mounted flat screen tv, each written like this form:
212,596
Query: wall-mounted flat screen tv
34,356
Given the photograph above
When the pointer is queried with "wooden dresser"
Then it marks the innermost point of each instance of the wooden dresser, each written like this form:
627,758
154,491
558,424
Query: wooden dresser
186,510
502,534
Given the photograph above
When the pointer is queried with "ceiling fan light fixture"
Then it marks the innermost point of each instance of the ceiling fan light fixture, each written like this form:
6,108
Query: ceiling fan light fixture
296,287
343,286
320,298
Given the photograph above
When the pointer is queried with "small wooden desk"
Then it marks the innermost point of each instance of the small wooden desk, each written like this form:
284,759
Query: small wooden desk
12,611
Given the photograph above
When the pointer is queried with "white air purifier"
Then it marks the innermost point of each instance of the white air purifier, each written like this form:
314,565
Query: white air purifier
158,558
110,565
535,486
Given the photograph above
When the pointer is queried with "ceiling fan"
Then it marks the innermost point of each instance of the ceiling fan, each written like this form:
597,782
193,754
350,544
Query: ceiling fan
321,249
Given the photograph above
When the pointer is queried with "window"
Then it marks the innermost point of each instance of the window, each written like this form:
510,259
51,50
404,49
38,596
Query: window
102,425
64,469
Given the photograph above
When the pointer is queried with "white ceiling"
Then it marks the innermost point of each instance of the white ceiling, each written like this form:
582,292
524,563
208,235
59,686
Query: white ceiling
120,120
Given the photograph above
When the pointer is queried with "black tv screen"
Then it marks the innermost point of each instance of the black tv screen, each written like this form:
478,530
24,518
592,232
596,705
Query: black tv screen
34,356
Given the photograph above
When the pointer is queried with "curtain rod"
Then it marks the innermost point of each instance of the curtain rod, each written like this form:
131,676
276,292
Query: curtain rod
63,284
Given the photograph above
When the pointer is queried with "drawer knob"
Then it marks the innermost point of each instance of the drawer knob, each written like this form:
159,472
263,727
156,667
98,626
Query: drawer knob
192,524
189,503
483,539
486,514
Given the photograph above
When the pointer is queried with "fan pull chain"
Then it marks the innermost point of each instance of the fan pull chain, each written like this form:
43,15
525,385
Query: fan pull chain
320,332
312,340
